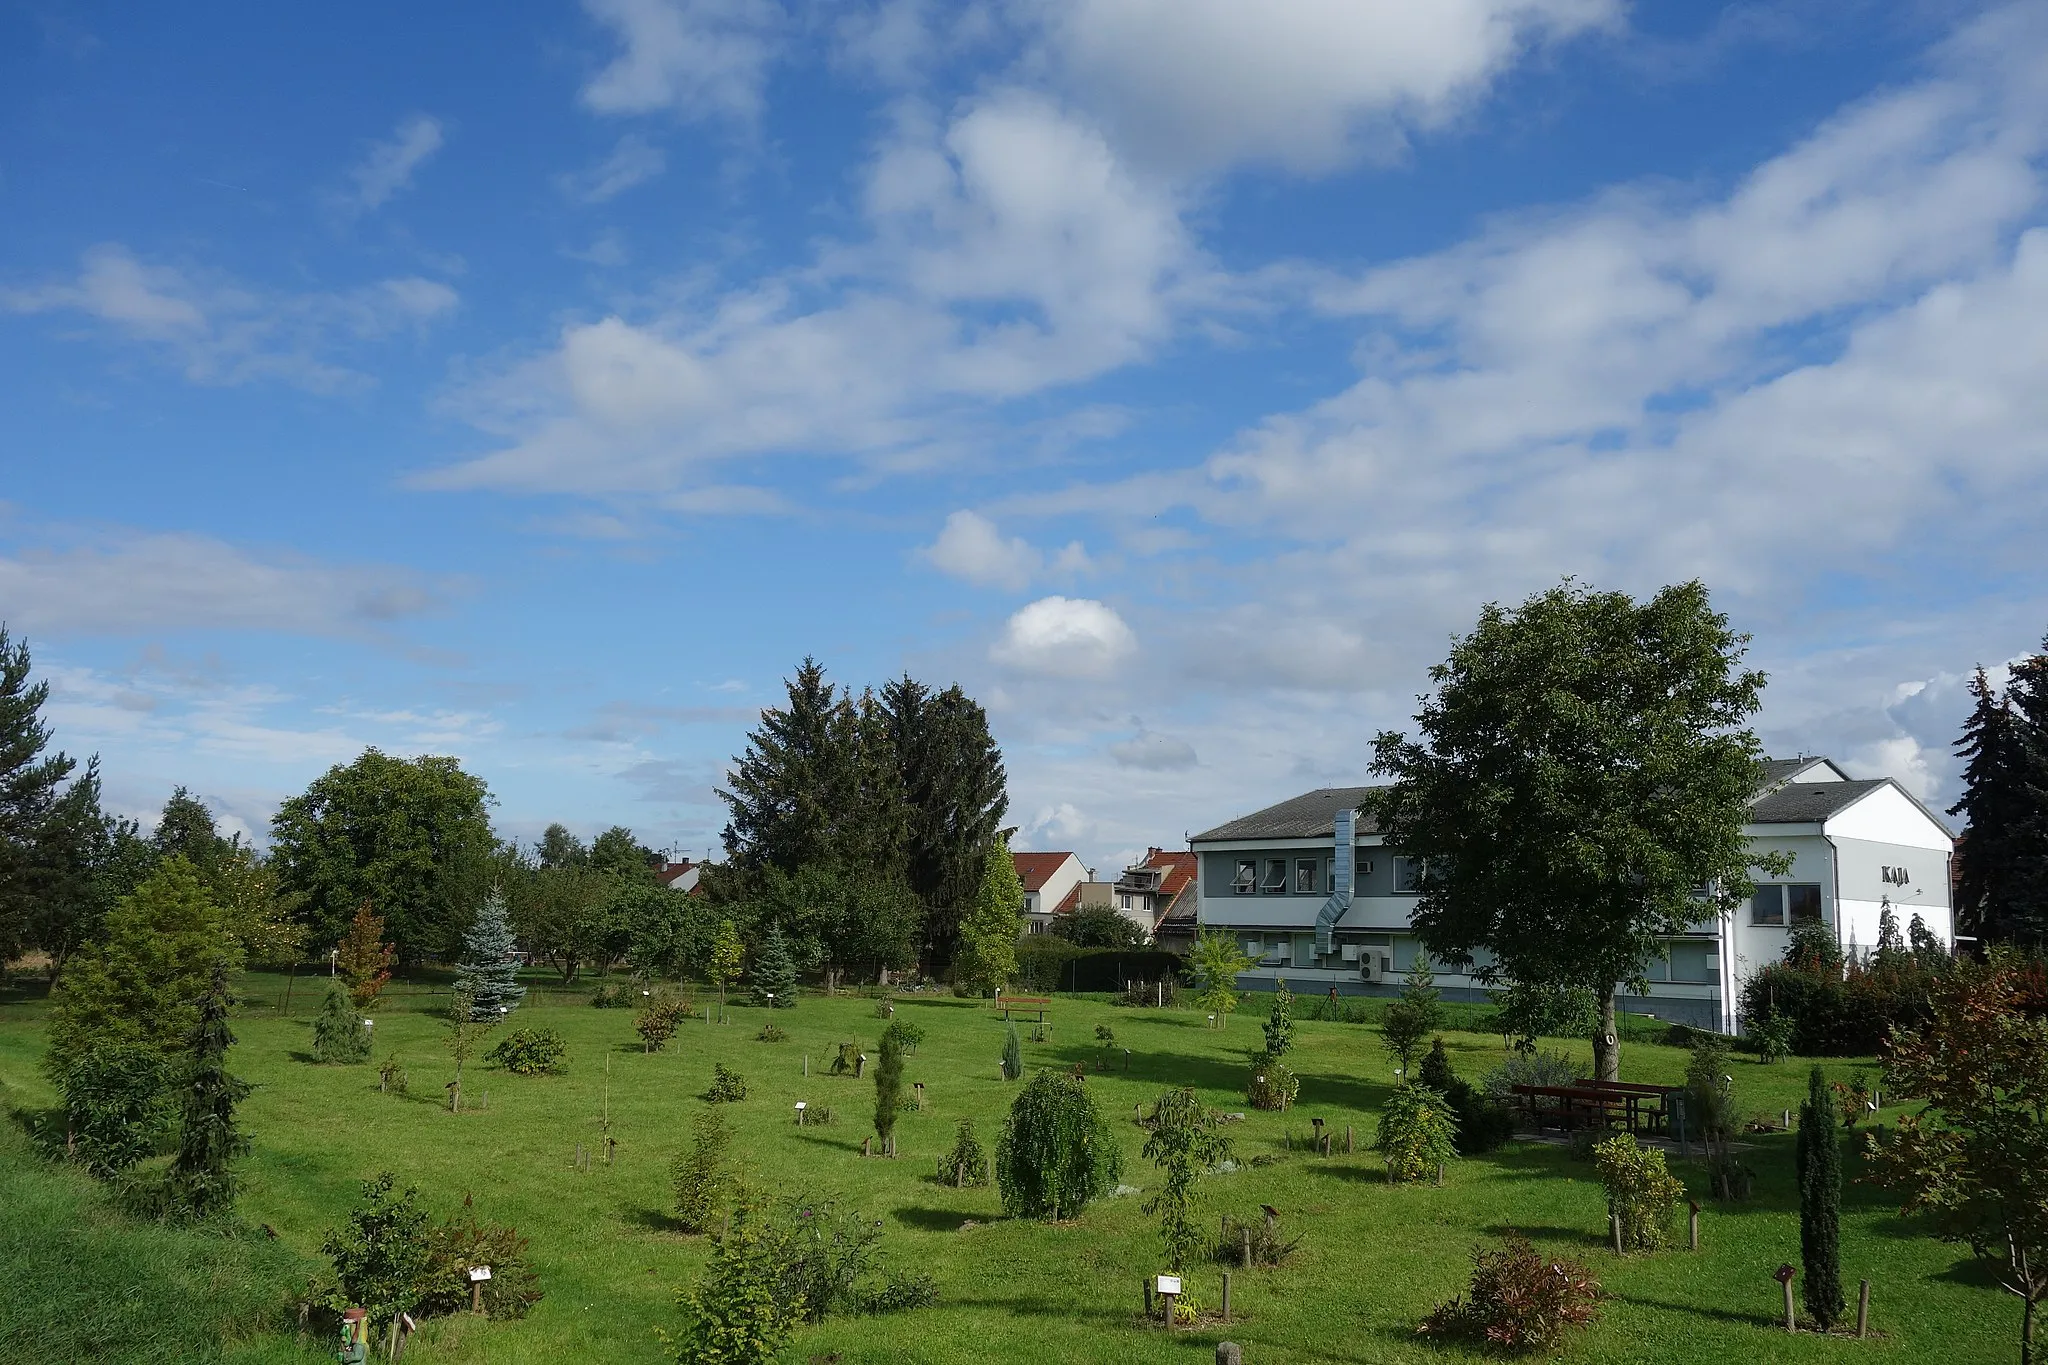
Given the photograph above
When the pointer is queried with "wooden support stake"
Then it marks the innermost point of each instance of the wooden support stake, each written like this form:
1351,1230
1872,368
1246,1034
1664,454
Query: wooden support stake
1791,1316
1245,1248
1148,1296
864,1151
1614,1222
476,1296
1693,1225
1863,1309
1439,1172
959,1175
1347,1139
1226,1295
1169,1298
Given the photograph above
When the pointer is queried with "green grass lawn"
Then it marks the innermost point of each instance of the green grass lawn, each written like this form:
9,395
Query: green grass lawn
1374,1257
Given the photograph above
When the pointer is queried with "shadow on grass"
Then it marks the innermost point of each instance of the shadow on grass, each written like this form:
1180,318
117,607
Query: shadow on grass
933,1220
654,1220
1548,1232
844,1144
1768,1321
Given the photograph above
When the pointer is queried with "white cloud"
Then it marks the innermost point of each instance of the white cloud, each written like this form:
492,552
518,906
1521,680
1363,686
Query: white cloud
1065,637
389,166
1308,84
633,161
1054,828
1009,254
700,58
970,548
149,583
1153,753
221,332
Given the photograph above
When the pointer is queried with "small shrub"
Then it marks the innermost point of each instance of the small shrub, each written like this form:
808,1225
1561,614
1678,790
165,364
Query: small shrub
659,1019
1138,994
1266,1244
119,1108
1852,1100
1417,1133
885,1008
727,1087
530,1052
697,1177
1535,1068
339,1037
391,1076
1770,1036
967,1163
739,1313
1273,1084
1483,1124
618,996
772,1033
1520,1301
456,1245
900,1291
1640,1190
906,1034
1056,1154
1013,1055
380,1251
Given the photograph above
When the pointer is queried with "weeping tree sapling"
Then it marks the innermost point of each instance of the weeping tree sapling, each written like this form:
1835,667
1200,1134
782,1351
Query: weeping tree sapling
1183,1143
1056,1154
201,1182
338,1033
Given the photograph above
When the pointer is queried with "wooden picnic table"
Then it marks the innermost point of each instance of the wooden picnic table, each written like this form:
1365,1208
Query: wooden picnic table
1586,1103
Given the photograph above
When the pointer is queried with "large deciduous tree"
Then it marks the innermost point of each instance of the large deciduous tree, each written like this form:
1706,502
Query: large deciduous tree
1584,766
409,836
987,956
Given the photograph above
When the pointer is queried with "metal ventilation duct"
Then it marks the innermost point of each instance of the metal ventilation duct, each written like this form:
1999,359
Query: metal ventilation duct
1340,881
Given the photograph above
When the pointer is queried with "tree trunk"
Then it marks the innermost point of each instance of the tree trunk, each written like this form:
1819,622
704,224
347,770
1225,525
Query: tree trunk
2027,1330
1606,1042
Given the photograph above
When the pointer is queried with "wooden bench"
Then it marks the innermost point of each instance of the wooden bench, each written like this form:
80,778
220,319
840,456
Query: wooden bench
1569,1107
1032,1004
1647,1108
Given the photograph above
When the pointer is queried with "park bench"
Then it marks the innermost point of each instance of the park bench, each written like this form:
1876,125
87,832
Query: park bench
1023,1004
1646,1108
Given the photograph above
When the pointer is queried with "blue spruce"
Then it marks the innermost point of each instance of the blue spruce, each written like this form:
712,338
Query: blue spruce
489,967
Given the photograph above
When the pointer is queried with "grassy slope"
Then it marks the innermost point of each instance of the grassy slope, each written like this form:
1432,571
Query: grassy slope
1374,1257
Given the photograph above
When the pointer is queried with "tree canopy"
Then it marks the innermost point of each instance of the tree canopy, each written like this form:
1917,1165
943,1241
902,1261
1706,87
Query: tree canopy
1583,769
2002,861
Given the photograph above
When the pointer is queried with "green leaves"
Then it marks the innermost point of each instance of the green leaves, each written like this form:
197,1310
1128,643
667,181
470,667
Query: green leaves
1056,1154
1216,962
988,924
1417,1132
1182,1143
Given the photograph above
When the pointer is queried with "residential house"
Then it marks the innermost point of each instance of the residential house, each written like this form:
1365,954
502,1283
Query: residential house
1328,909
1157,895
680,876
1052,882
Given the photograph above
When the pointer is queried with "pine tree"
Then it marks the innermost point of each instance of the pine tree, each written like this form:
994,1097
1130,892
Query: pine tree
2028,869
889,1090
29,788
201,1183
987,958
489,968
952,778
1990,806
782,786
1820,1203
774,977
339,1037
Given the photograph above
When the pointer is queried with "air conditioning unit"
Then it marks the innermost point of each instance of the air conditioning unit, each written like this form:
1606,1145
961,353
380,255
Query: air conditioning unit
1347,952
1371,967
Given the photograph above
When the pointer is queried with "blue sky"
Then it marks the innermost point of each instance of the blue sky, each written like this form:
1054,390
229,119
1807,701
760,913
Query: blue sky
537,383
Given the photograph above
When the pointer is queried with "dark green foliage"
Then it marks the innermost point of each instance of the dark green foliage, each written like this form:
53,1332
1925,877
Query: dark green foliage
1535,1068
530,1051
1812,949
967,1163
118,1107
1056,1154
907,1034
456,1245
1271,1083
772,1033
1526,1011
1097,926
1640,1190
1520,1302
380,1251
1182,1143
739,1313
659,1019
1417,1132
1483,1124
1268,1247
698,1177
888,1091
1013,1053
1583,765
408,836
616,995
338,1033
951,775
1820,1204
30,791
201,1182
1825,1010
727,1086
829,1259
1417,1014
2002,886
773,978
1279,1025
489,967
1711,1118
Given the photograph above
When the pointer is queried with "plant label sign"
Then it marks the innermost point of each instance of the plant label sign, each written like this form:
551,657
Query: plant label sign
479,1273
1169,1284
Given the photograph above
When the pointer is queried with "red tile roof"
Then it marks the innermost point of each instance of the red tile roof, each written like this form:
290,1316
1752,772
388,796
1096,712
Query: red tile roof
1071,903
1034,868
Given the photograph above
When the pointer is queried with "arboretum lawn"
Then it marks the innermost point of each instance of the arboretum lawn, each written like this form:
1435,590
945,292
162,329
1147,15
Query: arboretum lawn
1373,1259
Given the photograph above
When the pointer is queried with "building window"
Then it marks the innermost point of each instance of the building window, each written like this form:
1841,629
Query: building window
1304,876
1037,927
1247,878
1767,906
1779,905
1276,877
1803,901
1407,876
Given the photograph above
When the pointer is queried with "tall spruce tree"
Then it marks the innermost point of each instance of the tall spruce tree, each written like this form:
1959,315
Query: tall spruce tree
2029,849
782,788
956,789
489,967
773,980
1820,1203
31,783
1991,806
201,1182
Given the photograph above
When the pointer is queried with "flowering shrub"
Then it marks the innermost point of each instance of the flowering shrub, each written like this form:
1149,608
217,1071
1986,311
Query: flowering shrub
1520,1300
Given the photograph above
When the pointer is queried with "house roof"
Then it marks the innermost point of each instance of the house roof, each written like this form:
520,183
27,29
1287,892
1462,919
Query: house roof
1071,903
1034,868
1805,803
1312,815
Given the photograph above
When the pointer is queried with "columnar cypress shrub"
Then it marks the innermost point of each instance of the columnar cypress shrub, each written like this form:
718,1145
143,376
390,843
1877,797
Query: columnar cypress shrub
1820,1204
201,1183
1056,1153
1013,1055
338,1032
888,1090
489,967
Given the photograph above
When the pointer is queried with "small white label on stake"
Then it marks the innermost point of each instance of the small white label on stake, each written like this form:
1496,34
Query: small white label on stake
479,1272
1169,1284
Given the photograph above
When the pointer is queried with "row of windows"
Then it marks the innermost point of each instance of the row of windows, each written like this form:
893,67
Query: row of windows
1314,876
1783,904
1685,961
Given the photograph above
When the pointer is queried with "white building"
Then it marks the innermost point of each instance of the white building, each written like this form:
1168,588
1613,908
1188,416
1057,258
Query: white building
1271,876
1052,883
